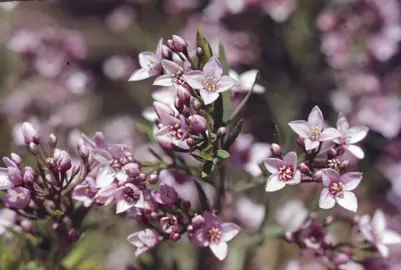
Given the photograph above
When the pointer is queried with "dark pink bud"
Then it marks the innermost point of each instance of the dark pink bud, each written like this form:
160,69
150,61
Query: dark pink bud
190,141
175,236
332,153
168,195
328,220
199,52
29,176
197,123
221,132
196,105
142,177
179,44
197,221
166,52
132,169
31,134
153,179
170,44
186,205
73,235
183,93
75,169
341,258
276,149
83,150
62,160
304,169
185,111
15,176
300,142
317,176
52,140
179,104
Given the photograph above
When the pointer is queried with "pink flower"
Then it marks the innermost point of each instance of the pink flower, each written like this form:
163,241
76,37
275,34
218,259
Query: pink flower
150,64
85,192
312,131
245,81
174,74
210,232
374,230
127,197
210,80
17,198
143,240
338,189
284,172
351,135
166,195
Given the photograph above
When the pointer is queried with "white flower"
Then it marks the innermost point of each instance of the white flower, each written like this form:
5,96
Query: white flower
374,230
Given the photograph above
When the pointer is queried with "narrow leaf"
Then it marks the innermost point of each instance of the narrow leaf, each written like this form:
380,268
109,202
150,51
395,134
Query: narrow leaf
233,134
227,95
203,42
223,154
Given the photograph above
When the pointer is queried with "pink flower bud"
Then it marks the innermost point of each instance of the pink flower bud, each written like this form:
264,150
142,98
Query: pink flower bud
332,153
170,44
26,225
175,237
83,150
52,140
179,44
196,105
317,176
73,235
153,179
31,135
132,169
300,142
16,158
190,141
62,160
183,93
33,147
166,52
197,123
179,105
328,220
304,169
221,132
197,221
142,177
161,109
289,237
15,176
168,195
199,52
29,176
276,149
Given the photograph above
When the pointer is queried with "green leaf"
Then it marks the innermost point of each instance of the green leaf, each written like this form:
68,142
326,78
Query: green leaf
208,167
223,154
243,102
203,42
232,136
207,154
227,95
58,213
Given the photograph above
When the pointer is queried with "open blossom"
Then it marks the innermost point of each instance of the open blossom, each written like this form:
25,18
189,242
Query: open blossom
150,64
338,189
210,80
10,176
374,230
128,196
166,195
174,74
17,197
85,192
351,135
143,240
312,131
283,172
246,81
210,232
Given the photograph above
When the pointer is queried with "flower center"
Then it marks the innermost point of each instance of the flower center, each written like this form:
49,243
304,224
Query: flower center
152,63
336,189
115,165
314,133
344,140
285,173
178,79
176,131
130,194
171,225
21,196
334,164
210,84
214,234
88,192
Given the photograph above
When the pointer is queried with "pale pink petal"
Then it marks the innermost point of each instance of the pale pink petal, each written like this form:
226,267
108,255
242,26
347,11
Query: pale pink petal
390,237
349,201
274,183
342,123
326,201
194,78
329,134
296,180
140,74
315,118
147,59
329,175
356,134
164,80
248,78
272,164
148,237
355,150
213,68
105,177
310,145
168,120
225,84
159,48
351,180
379,221
291,159
170,67
219,250
300,127
258,89
5,182
123,205
233,74
384,250
208,97
229,230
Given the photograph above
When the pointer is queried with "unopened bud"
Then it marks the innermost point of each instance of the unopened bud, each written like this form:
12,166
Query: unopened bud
55,226
170,44
276,149
317,176
175,236
183,93
142,177
190,141
179,44
15,176
221,131
29,176
197,123
196,105
132,169
190,228
83,150
332,153
300,142
186,205
73,235
16,158
328,220
153,179
166,52
304,169
34,148
179,105
52,140
185,111
31,134
75,169
289,237
341,258
26,225
162,108
199,52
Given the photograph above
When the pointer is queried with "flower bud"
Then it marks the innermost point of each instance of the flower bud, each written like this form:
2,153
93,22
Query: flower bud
16,158
183,93
197,221
83,150
52,140
289,237
179,44
221,132
142,177
132,169
179,105
170,44
185,111
75,169
196,105
34,148
199,52
317,176
62,160
73,235
168,195
26,225
276,149
175,236
197,123
190,141
162,109
328,220
304,168
300,142
29,176
31,135
15,176
153,178
332,153
166,52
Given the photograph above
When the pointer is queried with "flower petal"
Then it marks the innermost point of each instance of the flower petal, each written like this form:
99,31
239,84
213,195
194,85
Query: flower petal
351,180
329,134
291,159
104,178
194,78
384,250
225,84
300,127
274,183
147,59
229,230
5,182
315,118
356,134
219,250
140,74
326,201
355,150
248,78
233,74
296,179
208,97
159,49
272,164
170,67
390,237
349,201
164,80
342,123
123,205
310,145
379,221
213,68
329,175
